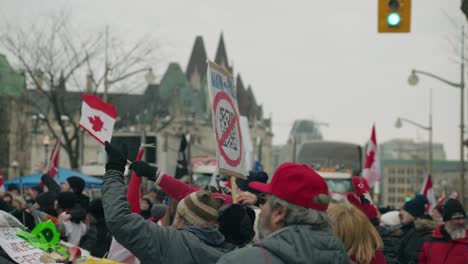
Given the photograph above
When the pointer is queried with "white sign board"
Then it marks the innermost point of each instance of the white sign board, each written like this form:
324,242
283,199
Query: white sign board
17,248
226,124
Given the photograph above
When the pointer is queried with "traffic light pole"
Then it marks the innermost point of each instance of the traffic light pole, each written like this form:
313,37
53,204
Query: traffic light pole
462,123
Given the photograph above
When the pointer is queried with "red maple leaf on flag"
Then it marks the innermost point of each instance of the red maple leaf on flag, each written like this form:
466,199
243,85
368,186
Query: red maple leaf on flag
370,158
96,122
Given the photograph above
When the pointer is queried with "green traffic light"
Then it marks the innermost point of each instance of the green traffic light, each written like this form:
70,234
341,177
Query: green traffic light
408,199
393,19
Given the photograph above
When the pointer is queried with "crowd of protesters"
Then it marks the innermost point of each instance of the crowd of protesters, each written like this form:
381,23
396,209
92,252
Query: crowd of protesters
289,218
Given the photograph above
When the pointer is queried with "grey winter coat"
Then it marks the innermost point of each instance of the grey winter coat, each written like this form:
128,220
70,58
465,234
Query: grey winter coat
292,244
152,243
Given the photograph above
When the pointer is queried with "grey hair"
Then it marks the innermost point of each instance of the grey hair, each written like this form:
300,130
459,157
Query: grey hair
300,215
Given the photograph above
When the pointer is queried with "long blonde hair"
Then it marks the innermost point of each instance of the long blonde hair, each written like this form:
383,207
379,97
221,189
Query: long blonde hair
359,236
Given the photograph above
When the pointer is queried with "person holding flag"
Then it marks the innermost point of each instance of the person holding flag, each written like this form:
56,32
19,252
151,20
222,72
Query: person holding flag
193,238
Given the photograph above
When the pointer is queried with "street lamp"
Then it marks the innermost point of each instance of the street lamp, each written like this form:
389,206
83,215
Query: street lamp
414,79
46,143
399,124
15,166
292,139
149,76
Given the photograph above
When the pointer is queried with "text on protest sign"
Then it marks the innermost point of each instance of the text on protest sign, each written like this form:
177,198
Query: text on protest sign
19,250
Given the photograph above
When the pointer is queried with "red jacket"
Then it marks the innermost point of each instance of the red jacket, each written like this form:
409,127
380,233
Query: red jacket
378,258
442,249
178,190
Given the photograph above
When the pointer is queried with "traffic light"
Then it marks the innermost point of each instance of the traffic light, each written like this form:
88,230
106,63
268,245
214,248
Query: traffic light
394,16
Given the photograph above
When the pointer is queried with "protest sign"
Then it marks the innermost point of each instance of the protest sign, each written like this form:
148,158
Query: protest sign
18,249
226,124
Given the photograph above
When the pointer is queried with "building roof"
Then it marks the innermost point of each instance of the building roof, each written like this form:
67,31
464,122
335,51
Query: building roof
197,61
438,166
221,57
12,83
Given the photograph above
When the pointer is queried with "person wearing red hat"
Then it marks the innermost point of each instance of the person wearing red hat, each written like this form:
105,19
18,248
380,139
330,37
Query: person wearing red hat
293,223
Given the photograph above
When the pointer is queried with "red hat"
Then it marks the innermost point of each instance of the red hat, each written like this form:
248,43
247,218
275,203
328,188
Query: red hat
296,183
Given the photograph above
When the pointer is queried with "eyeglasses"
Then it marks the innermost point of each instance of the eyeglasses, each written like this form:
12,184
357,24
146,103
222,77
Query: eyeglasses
262,198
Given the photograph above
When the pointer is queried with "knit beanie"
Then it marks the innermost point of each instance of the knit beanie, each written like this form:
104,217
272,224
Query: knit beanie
417,206
236,223
158,211
13,187
46,200
96,209
38,189
259,176
200,208
76,183
453,210
66,200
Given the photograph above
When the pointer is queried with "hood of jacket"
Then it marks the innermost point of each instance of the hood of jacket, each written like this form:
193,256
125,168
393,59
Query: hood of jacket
302,243
208,234
425,224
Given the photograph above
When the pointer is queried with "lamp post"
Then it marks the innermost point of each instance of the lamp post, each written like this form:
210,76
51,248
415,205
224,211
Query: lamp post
399,124
45,143
292,139
15,166
414,79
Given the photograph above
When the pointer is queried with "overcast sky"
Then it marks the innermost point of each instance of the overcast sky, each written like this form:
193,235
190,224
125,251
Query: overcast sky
304,59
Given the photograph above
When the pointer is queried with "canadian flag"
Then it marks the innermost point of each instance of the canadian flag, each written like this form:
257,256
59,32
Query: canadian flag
2,187
371,170
98,117
428,191
53,163
441,198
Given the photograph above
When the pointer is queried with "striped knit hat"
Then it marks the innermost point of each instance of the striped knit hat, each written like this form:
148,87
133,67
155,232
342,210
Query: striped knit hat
200,208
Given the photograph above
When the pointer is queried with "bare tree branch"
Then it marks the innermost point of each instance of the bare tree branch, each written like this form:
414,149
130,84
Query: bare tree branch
56,58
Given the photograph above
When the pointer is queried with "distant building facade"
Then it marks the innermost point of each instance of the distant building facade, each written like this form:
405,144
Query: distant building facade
406,149
402,178
15,121
404,166
301,132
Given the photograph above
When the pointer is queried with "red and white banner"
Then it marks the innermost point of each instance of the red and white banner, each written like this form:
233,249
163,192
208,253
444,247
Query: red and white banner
98,117
53,162
441,198
428,191
2,187
134,187
371,170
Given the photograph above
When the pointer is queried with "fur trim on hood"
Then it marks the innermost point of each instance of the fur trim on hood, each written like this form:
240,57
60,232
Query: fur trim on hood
426,224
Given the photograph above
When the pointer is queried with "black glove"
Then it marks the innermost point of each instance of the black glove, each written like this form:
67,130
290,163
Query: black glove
116,160
143,169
